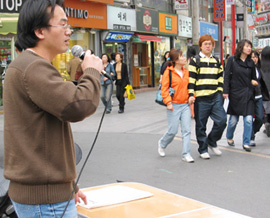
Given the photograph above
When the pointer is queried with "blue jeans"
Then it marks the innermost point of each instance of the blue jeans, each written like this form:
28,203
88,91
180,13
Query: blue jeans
233,120
105,95
181,113
45,210
259,117
204,109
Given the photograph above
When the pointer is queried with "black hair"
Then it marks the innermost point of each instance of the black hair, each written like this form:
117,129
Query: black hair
113,56
265,55
108,58
191,52
258,65
17,45
227,56
164,57
34,15
240,47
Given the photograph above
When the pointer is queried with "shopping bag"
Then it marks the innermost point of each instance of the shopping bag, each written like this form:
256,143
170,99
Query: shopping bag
159,98
130,92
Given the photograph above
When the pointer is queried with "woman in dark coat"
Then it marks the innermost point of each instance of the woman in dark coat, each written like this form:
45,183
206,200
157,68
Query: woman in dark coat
121,80
259,114
239,81
265,84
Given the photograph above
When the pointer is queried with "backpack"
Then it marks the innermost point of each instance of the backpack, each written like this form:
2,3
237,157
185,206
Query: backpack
197,57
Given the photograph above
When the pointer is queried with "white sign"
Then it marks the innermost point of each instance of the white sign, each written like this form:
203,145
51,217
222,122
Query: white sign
184,26
121,19
180,4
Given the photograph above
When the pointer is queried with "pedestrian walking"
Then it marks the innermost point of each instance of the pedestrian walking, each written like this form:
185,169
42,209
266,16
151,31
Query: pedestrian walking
259,113
206,84
177,104
163,65
39,147
121,80
106,84
266,86
239,81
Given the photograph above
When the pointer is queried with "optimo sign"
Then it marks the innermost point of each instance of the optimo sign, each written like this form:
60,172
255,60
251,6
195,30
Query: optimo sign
86,14
10,6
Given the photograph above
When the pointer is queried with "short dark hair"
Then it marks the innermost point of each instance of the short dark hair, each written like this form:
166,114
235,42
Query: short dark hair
191,52
113,56
34,15
108,58
240,46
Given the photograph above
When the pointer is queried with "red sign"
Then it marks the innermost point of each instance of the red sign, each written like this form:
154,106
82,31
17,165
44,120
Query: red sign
219,10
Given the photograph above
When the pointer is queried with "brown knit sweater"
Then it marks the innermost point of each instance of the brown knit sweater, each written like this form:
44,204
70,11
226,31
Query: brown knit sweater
38,106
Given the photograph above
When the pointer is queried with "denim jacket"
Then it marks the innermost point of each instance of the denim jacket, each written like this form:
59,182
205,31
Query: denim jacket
109,69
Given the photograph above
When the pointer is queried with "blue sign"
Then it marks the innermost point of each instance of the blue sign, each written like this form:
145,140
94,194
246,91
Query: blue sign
210,29
118,37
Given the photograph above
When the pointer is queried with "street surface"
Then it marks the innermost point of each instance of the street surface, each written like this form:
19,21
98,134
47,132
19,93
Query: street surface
126,150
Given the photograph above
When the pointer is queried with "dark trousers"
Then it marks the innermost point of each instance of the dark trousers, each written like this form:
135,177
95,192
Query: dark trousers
259,116
120,90
204,109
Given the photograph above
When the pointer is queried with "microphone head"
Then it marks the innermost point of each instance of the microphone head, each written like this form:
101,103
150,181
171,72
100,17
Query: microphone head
77,51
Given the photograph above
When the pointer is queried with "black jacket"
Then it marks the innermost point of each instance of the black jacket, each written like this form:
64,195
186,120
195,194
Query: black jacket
124,75
237,83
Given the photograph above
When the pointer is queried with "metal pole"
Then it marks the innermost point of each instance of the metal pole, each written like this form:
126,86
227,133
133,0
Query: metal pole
233,28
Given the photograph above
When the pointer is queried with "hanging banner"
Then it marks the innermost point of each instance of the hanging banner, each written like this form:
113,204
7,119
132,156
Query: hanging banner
219,10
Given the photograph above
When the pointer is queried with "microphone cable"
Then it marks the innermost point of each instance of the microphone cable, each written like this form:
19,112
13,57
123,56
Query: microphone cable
91,149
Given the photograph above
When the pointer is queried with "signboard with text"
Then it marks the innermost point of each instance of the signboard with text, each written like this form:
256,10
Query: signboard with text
10,6
168,23
219,10
180,4
147,20
210,29
184,26
121,19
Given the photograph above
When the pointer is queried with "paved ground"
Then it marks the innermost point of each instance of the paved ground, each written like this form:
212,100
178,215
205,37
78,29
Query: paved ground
126,150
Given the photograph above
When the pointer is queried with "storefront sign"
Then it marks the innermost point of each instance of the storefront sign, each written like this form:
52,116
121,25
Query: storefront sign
210,29
168,24
10,6
122,19
184,26
262,19
147,20
219,10
86,14
180,4
118,37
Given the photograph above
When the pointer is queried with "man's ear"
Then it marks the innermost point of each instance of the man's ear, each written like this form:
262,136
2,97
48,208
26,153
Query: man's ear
40,33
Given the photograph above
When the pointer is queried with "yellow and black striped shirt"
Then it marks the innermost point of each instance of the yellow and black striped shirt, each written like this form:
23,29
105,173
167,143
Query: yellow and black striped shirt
207,80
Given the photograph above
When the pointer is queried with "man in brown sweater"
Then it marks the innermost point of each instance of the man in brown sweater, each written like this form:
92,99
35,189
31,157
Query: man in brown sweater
39,154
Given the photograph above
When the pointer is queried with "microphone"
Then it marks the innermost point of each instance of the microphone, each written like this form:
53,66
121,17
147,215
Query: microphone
77,51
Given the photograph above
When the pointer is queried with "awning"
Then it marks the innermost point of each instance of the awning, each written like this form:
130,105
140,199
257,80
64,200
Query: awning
8,26
148,38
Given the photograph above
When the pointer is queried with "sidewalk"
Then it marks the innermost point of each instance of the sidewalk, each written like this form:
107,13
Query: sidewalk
143,115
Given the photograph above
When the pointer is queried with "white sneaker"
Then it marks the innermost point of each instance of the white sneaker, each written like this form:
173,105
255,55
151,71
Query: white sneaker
188,159
205,155
161,150
215,150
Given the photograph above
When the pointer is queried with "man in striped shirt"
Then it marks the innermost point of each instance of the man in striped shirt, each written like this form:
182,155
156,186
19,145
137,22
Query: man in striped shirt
206,85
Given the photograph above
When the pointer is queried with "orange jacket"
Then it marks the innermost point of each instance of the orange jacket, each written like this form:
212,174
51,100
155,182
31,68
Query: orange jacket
180,86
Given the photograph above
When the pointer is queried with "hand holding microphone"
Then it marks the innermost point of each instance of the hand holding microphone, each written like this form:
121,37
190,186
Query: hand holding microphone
89,60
